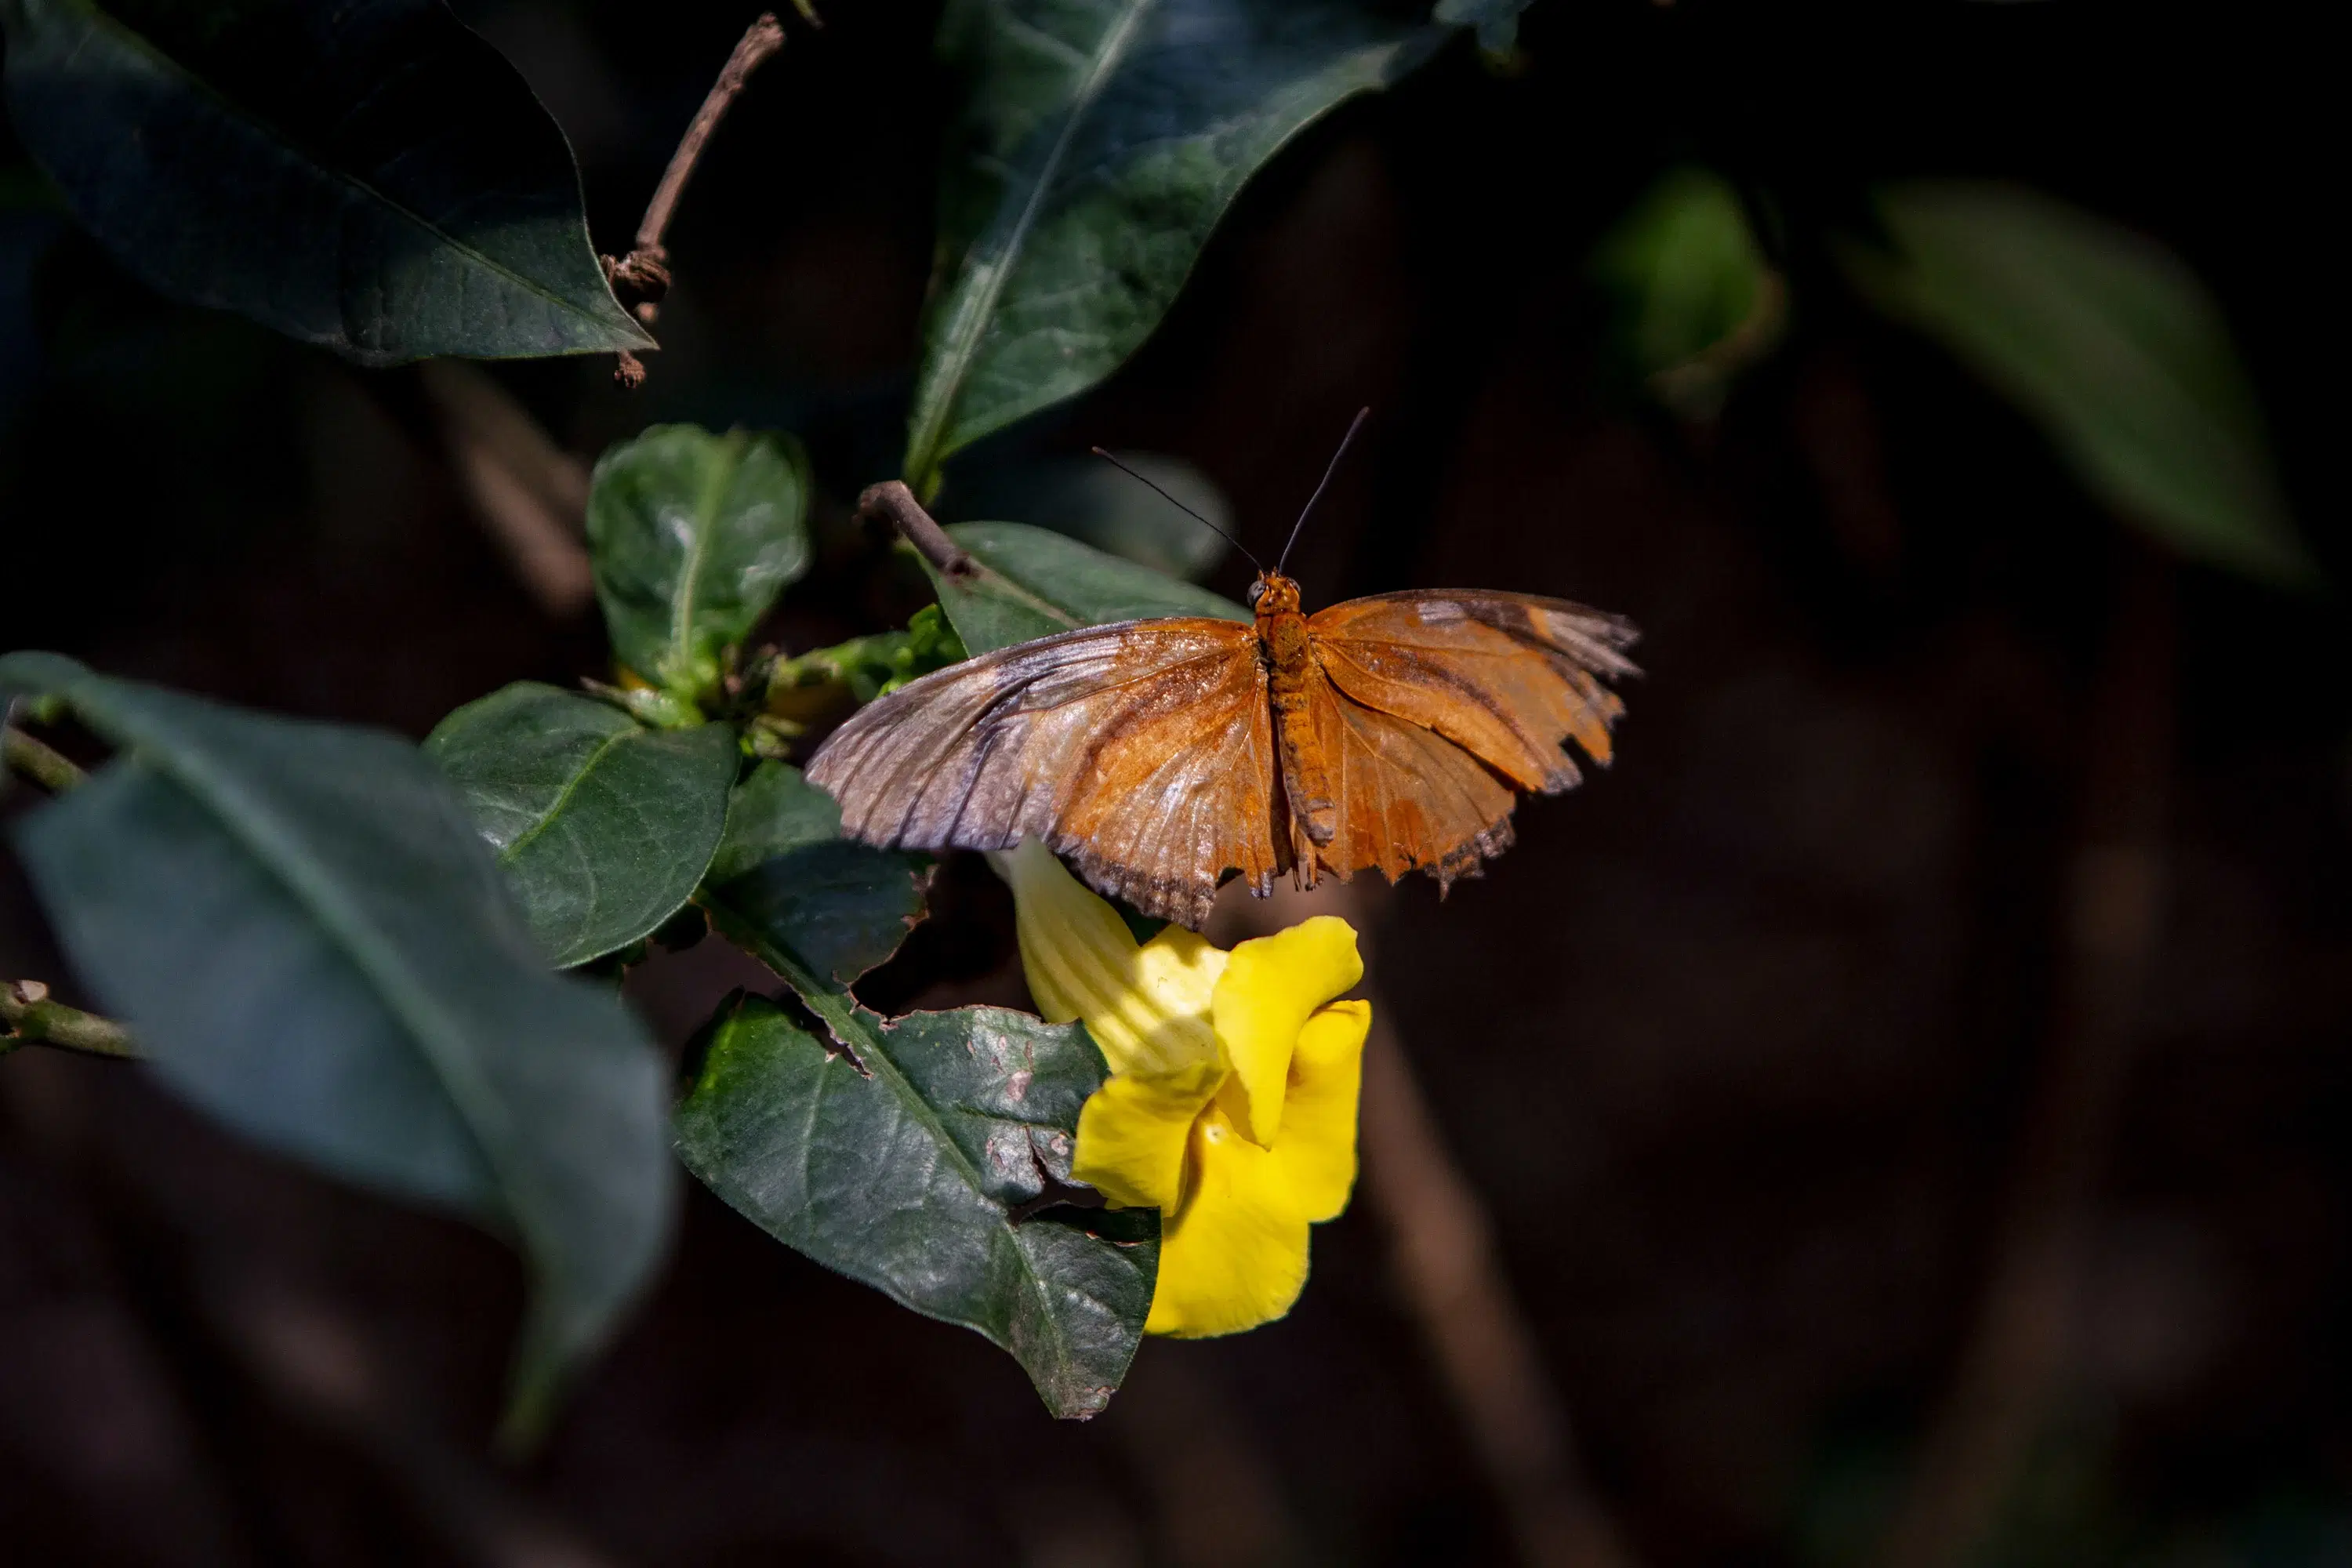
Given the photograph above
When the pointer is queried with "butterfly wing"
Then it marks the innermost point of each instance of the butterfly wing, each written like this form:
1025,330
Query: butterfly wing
1430,696
1143,751
1409,799
1508,676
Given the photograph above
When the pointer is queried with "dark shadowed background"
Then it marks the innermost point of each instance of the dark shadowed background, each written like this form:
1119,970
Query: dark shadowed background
1967,861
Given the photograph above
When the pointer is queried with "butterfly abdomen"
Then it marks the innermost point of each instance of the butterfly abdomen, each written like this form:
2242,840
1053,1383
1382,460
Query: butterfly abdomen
1292,676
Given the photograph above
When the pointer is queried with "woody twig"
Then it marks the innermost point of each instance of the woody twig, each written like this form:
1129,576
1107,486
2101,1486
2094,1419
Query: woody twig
641,279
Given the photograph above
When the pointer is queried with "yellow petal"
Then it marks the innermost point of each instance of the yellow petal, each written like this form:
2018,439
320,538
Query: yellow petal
1236,1255
1133,1132
1317,1151
1146,1005
1269,988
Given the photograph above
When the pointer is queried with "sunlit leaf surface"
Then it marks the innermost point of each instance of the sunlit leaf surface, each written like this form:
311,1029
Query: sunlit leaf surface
1098,145
694,535
908,1168
603,827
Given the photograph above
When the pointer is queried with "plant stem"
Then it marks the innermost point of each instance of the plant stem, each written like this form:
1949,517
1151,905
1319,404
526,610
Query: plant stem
27,1017
642,278
43,764
891,501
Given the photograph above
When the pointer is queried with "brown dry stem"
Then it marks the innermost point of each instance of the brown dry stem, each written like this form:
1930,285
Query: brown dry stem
892,502
641,280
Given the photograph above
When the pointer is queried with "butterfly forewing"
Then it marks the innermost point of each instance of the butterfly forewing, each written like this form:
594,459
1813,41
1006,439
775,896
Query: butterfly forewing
1141,750
1509,677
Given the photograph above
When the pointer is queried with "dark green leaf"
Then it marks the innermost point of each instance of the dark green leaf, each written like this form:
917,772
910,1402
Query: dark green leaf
603,826
306,934
787,874
373,178
693,536
1096,504
1691,298
1098,143
2111,343
1034,583
906,1175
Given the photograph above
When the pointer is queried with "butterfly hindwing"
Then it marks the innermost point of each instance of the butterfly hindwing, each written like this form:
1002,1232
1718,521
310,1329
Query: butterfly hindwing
1409,798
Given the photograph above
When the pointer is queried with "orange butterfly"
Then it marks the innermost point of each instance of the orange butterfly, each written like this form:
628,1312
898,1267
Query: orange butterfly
1158,755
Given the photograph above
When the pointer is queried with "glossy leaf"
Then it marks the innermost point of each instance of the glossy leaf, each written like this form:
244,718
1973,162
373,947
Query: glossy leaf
1034,583
1098,145
371,177
910,1175
2110,342
304,930
605,826
693,536
786,873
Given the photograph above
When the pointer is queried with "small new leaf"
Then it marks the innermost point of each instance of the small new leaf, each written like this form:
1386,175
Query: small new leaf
693,536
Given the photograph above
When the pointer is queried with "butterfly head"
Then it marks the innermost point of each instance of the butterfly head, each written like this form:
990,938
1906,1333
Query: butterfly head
1273,595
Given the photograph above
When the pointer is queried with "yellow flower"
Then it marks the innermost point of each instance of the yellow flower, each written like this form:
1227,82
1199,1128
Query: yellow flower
1231,1107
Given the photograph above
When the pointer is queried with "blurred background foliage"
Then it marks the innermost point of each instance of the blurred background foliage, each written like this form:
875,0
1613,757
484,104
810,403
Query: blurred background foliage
1949,395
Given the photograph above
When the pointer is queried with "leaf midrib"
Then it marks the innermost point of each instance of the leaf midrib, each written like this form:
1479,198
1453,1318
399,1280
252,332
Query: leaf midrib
398,988
733,449
563,797
972,324
301,154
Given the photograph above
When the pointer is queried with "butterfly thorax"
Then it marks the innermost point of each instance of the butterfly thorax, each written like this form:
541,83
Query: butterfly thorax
1291,678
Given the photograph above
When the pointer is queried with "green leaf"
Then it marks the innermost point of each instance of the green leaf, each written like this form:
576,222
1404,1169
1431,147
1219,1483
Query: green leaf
1692,298
825,680
308,935
693,536
910,1175
2110,342
605,826
1096,504
377,180
1033,582
788,875
1098,145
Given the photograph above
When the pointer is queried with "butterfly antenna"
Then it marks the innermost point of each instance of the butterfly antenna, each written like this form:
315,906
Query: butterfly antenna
1178,505
1345,442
